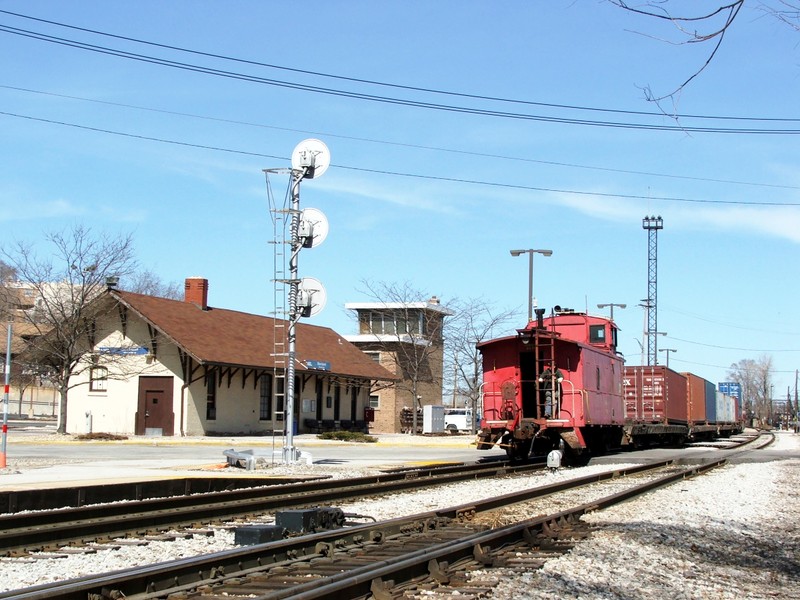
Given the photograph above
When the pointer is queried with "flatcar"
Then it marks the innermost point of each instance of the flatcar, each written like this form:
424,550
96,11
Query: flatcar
560,383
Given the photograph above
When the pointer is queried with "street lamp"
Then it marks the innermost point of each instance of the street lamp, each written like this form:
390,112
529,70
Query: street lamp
611,305
530,252
667,350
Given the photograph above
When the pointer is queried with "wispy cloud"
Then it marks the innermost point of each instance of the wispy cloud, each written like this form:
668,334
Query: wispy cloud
402,194
15,207
771,221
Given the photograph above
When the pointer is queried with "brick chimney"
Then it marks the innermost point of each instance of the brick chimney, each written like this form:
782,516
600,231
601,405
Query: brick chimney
197,292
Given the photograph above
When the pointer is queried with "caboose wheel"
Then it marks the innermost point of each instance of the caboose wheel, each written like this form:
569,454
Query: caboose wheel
518,450
577,458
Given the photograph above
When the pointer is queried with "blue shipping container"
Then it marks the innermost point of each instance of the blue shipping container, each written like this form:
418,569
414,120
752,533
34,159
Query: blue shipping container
711,402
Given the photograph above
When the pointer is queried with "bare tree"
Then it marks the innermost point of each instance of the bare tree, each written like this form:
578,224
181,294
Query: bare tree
474,321
7,292
754,376
147,282
66,284
705,26
408,325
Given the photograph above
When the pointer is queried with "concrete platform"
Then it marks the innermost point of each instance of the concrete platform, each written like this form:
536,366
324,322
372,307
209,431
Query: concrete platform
40,459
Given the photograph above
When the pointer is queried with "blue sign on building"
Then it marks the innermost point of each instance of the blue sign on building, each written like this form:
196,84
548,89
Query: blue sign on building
318,365
122,350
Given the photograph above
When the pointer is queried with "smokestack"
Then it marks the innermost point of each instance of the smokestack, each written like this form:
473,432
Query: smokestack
540,318
197,292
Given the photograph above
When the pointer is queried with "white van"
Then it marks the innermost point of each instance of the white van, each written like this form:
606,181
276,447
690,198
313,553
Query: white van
457,419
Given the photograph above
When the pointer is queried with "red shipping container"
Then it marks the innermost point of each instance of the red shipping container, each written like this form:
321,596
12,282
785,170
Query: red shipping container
696,392
655,394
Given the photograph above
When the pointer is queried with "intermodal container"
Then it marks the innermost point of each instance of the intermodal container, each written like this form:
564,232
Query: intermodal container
725,408
696,396
654,394
711,403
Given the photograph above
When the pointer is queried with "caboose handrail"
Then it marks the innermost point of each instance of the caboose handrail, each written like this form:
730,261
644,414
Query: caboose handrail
572,396
497,415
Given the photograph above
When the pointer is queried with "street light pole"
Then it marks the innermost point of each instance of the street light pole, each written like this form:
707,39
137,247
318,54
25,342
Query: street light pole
667,350
530,252
611,305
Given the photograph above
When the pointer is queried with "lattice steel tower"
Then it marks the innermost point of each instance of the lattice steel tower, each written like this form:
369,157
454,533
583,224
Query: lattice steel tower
652,225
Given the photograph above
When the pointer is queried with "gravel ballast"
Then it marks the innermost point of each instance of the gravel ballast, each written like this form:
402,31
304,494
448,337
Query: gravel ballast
729,534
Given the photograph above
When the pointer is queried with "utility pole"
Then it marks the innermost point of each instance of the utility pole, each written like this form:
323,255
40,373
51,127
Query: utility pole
652,225
5,399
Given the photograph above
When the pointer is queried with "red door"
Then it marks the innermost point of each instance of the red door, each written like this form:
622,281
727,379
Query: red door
154,414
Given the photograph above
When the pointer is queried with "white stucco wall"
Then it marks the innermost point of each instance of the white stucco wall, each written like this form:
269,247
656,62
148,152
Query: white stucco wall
114,409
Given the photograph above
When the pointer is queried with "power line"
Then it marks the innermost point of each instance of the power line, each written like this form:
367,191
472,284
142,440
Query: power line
396,85
732,347
386,99
401,174
407,145
724,324
691,362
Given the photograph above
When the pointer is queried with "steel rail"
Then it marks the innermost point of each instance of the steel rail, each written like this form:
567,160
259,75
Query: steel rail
25,531
152,581
372,578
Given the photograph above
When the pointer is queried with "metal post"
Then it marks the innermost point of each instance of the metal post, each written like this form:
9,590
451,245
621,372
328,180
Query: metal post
667,350
289,451
611,305
530,253
530,287
5,399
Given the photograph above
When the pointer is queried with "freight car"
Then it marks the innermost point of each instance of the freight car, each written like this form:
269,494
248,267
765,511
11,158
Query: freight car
663,406
560,383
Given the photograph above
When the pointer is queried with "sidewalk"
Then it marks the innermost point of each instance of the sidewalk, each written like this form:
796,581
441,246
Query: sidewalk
40,435
40,459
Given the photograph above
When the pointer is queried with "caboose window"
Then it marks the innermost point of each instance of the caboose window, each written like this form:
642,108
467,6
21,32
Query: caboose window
597,334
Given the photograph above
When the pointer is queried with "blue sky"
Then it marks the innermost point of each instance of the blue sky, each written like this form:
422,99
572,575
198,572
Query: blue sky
80,131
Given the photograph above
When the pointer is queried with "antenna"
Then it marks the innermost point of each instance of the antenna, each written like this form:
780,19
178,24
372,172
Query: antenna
311,297
311,157
313,228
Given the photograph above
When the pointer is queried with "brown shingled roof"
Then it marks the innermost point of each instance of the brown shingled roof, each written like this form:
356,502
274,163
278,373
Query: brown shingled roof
229,337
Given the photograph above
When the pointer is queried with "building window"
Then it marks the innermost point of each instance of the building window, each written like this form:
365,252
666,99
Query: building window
280,395
597,334
211,396
392,322
374,356
374,401
265,398
98,379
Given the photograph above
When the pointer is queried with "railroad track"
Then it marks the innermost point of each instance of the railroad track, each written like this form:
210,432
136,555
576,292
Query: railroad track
738,441
22,533
373,559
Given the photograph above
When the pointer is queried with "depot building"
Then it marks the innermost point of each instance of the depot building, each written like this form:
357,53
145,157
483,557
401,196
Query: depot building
166,367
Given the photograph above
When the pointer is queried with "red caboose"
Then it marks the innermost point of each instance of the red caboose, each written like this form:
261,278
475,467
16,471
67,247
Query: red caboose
557,383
